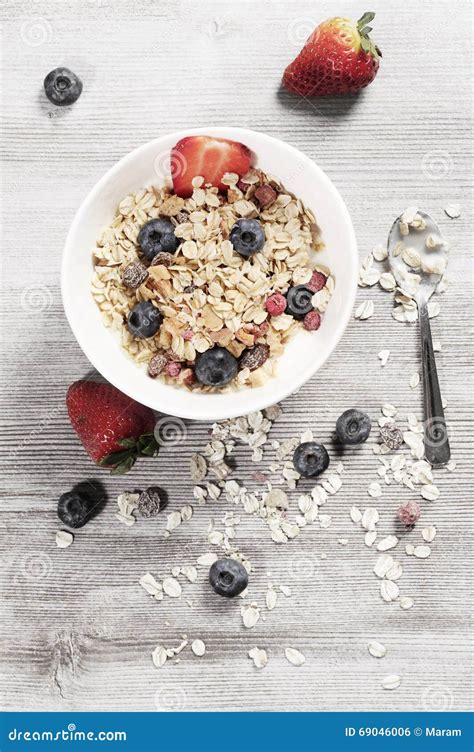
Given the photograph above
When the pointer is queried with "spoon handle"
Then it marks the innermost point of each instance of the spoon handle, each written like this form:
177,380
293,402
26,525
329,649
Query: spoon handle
437,450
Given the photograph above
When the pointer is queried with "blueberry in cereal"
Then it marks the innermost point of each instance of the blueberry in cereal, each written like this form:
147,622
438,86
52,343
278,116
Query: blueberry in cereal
298,301
216,367
157,236
144,320
247,237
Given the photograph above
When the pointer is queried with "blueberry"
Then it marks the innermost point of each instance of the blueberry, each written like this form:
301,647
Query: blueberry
144,320
298,301
353,427
157,236
310,459
62,87
228,577
74,509
247,237
216,367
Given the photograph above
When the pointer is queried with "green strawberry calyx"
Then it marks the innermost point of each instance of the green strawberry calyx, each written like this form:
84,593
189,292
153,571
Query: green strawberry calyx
364,31
122,461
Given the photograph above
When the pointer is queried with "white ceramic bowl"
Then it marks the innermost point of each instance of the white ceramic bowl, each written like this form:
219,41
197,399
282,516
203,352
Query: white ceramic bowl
305,353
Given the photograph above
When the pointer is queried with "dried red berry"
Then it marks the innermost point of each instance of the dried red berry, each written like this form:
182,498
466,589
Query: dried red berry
157,365
276,304
409,513
134,275
188,334
312,321
317,282
265,195
172,369
254,357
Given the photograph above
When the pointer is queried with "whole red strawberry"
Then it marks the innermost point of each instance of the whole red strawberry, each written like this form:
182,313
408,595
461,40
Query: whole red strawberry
113,428
338,58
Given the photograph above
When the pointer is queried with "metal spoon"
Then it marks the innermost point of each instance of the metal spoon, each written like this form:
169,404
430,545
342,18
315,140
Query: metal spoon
418,270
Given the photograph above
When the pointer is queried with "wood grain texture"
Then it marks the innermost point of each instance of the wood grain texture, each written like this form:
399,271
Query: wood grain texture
78,631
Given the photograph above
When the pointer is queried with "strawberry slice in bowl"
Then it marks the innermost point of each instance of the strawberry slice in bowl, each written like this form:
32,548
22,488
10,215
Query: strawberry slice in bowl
209,157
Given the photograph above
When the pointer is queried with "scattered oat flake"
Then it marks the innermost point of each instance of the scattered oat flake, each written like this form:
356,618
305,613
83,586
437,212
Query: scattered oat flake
369,538
375,490
294,656
250,615
285,590
389,590
387,543
355,514
406,602
370,518
190,573
343,541
172,587
152,587
365,310
271,599
198,647
430,492
392,681
206,560
64,538
414,380
259,657
429,533
383,564
453,210
383,357
422,552
377,649
159,656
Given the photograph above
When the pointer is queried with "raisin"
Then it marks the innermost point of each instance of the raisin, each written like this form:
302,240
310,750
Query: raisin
134,275
157,365
254,357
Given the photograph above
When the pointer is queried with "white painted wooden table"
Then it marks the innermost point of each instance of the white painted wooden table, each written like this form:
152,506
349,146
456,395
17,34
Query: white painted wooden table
78,630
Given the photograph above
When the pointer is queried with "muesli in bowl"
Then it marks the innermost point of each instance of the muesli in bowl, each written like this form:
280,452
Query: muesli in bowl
207,278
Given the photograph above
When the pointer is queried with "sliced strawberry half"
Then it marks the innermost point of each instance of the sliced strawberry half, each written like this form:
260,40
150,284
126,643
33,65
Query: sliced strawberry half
209,157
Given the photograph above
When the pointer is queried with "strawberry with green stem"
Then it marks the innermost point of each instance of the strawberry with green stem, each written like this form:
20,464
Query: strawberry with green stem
114,429
338,58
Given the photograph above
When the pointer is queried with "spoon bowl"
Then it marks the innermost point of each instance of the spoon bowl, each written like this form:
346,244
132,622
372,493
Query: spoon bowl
418,259
418,256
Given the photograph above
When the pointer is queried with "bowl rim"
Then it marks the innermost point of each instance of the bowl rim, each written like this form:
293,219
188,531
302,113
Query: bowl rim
300,378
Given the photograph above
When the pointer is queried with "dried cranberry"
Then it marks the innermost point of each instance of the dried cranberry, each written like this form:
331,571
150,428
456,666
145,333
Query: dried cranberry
276,304
409,513
172,369
317,282
312,321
